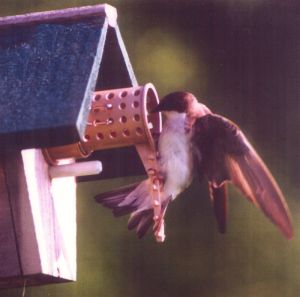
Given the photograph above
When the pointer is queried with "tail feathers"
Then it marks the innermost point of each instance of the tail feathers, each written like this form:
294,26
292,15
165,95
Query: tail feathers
115,197
120,211
141,220
134,199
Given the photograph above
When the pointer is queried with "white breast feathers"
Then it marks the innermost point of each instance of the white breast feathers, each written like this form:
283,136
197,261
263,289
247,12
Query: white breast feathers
176,163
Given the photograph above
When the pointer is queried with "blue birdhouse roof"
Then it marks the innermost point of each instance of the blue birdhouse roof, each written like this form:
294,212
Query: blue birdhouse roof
50,65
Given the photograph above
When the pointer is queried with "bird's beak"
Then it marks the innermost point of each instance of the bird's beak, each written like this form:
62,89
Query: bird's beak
157,108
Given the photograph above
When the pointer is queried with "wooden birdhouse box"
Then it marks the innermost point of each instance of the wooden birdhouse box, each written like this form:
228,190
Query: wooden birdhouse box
67,92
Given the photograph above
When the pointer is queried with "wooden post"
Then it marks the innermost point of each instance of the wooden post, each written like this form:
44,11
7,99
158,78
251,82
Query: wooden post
38,235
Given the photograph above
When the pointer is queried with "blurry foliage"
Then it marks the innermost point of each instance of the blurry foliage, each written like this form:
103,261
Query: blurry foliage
242,59
170,63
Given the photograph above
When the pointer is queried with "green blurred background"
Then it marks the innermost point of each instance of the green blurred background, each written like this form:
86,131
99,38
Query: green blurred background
242,58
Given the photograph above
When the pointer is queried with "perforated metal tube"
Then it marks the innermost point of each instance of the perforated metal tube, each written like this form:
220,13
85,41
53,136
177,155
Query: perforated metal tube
117,118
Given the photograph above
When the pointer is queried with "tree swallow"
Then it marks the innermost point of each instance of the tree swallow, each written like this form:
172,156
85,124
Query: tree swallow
195,142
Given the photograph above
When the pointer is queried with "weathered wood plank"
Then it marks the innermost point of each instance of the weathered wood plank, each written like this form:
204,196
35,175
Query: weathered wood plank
9,258
55,228
42,246
21,213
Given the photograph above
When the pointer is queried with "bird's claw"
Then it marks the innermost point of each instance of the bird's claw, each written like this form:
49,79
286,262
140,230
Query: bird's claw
159,228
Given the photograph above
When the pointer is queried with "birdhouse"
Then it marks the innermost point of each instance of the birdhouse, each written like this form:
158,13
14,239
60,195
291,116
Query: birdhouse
67,93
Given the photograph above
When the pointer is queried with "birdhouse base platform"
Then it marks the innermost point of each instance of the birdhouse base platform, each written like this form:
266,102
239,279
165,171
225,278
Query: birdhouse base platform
29,280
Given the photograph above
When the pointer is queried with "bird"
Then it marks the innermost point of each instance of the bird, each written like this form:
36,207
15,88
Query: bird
197,143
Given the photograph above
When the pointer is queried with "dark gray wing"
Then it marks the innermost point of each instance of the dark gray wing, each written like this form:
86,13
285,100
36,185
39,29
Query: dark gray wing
223,154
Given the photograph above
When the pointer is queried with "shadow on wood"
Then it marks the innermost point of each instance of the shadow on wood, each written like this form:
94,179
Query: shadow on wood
38,237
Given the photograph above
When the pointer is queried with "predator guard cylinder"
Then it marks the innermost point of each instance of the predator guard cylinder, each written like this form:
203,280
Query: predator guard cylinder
117,118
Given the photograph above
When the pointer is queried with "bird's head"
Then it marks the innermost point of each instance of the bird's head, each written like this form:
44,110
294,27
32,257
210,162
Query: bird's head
183,103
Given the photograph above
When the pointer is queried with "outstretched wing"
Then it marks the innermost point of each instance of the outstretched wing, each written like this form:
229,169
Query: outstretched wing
224,154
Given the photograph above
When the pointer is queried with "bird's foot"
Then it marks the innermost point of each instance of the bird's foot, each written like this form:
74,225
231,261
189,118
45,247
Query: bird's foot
159,221
159,229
